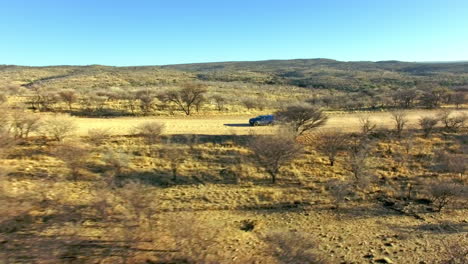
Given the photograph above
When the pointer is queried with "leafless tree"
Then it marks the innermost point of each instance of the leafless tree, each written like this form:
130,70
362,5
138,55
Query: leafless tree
69,97
443,193
272,152
220,101
150,131
22,124
358,161
428,124
185,98
58,127
400,119
249,103
302,117
330,144
452,122
146,99
367,126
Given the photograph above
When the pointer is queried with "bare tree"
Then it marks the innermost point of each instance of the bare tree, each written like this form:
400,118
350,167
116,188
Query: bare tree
428,124
146,99
358,162
367,126
150,131
400,119
185,98
58,127
272,152
452,122
220,101
443,193
249,103
69,97
330,144
22,124
302,117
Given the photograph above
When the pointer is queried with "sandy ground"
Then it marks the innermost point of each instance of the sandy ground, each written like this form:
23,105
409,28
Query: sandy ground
228,125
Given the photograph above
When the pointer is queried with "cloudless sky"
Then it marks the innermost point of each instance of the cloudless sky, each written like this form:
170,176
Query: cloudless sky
156,32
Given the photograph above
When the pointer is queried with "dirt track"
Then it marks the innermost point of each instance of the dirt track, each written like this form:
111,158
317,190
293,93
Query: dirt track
226,125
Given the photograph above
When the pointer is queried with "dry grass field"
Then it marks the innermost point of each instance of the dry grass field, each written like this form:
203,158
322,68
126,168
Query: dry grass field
238,124
197,195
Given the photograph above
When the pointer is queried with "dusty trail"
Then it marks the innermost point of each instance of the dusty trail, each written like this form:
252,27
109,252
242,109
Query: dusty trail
228,125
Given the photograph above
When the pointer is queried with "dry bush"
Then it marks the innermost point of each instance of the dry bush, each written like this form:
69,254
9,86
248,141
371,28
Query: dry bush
272,152
302,117
339,190
293,247
220,101
58,127
400,119
452,122
69,97
455,251
358,162
442,193
74,155
97,136
451,162
428,124
367,126
146,99
150,131
22,124
330,144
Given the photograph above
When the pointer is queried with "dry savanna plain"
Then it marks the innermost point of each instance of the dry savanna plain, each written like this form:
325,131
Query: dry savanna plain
174,173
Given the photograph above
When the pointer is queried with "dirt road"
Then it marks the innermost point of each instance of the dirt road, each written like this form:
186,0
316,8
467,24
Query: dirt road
226,125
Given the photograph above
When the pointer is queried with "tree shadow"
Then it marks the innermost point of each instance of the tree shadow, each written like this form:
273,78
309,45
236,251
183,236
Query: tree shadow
237,125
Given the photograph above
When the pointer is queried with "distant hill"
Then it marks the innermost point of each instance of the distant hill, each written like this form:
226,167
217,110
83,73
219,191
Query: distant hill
313,73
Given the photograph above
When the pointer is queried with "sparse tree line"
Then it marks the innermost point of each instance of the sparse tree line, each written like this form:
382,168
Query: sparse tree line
189,98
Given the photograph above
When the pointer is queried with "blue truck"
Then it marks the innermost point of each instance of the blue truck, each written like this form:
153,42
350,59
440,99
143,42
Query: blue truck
263,120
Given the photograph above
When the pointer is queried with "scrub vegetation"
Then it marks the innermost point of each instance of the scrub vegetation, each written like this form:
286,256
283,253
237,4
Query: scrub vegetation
386,183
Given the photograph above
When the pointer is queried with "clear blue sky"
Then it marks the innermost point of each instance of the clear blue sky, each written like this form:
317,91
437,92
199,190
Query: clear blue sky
155,32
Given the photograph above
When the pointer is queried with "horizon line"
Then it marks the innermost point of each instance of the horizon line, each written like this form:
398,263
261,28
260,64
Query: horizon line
229,61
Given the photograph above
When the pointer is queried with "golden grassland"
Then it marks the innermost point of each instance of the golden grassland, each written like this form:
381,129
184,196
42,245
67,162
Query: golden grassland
221,208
